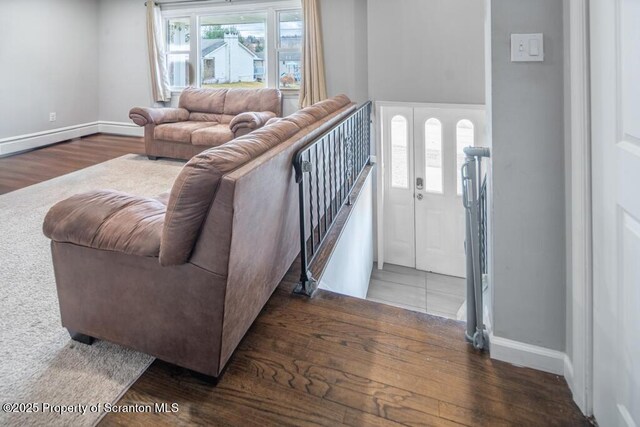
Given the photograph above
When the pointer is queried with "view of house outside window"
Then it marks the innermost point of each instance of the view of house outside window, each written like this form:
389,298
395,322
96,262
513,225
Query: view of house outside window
234,50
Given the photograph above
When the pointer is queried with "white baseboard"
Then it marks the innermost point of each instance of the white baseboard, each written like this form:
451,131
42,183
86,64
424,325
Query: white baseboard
16,144
30,141
527,355
120,128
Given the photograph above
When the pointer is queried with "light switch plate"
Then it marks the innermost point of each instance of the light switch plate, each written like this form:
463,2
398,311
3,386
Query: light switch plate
527,47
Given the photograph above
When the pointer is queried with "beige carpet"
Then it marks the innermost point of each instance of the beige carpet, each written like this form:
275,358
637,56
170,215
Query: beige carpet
38,362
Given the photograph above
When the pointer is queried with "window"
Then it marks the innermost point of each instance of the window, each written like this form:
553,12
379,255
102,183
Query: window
289,49
464,138
232,49
178,47
235,46
433,156
399,154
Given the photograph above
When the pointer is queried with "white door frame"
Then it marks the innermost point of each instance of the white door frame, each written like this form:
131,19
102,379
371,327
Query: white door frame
380,161
579,369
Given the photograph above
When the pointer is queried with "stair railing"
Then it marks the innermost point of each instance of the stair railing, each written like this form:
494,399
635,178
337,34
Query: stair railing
474,195
326,172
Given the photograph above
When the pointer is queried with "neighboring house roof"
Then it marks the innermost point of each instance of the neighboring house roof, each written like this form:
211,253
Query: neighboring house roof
252,53
211,45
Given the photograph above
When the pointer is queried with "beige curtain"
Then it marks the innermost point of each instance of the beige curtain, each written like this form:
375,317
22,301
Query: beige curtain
157,59
314,87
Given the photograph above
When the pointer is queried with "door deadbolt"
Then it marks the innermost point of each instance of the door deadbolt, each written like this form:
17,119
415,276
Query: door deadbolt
419,196
419,183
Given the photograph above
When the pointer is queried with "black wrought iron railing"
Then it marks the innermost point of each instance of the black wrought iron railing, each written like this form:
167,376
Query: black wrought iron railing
326,171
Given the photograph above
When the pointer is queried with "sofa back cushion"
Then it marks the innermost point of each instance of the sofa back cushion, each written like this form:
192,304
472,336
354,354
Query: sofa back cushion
243,100
230,102
195,188
203,100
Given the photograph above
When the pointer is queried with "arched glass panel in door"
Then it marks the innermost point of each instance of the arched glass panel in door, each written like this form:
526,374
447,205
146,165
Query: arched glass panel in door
399,152
433,156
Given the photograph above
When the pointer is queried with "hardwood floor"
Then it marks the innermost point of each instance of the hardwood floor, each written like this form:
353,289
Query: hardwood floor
32,167
337,360
330,360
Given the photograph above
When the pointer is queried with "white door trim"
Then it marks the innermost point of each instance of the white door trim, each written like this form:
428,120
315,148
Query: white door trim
580,369
379,196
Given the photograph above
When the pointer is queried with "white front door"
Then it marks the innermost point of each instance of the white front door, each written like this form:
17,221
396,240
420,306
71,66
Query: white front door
615,91
423,213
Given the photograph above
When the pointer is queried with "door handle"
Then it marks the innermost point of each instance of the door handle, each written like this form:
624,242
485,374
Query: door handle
419,183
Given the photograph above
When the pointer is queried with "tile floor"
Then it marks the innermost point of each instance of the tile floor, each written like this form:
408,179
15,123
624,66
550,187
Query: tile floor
417,290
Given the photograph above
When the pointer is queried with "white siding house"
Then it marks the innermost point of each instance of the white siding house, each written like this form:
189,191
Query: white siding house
227,61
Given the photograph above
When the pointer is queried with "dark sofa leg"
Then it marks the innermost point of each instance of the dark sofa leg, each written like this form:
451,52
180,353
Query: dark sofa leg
207,379
77,336
152,157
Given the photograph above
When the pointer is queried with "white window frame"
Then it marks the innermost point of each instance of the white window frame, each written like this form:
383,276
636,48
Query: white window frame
197,10
168,51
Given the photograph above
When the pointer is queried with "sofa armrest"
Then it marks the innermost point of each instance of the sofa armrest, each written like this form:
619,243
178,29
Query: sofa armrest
250,120
108,220
143,116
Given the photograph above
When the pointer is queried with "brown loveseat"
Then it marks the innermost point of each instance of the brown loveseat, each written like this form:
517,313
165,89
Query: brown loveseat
183,276
205,118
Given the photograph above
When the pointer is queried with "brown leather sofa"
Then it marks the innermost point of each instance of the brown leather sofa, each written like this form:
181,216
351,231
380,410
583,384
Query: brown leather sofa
205,118
182,276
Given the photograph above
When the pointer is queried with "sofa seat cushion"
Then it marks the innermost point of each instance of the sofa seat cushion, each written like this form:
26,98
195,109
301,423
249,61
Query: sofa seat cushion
108,220
179,132
212,136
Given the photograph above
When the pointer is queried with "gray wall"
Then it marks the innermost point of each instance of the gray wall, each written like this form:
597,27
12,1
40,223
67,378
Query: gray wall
344,28
426,51
527,106
49,57
124,64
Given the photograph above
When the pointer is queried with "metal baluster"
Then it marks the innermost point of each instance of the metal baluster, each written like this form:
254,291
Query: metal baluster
331,206
359,137
340,160
317,168
354,149
336,170
324,182
313,248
